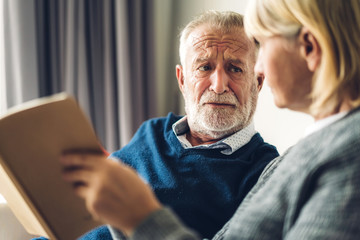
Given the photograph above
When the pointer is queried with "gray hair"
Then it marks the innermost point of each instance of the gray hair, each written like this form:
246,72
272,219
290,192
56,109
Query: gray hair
223,21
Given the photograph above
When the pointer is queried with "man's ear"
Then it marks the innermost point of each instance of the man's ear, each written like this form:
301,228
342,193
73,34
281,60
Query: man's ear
310,49
180,76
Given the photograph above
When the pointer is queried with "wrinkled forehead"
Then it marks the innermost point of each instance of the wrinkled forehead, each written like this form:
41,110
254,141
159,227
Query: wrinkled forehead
205,38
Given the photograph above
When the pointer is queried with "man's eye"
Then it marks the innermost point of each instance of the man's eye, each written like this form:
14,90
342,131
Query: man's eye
204,68
235,69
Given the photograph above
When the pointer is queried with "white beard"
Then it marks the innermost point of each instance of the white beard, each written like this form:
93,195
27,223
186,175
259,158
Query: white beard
220,122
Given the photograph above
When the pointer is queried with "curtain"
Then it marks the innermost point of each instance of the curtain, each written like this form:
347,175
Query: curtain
99,51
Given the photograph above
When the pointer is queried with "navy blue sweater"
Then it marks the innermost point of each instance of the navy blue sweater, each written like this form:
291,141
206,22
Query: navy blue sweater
203,186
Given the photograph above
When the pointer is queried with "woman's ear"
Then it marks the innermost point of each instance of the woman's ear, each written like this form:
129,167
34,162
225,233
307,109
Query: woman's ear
180,76
310,49
260,80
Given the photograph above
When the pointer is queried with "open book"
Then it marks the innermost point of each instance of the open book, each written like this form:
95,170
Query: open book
32,137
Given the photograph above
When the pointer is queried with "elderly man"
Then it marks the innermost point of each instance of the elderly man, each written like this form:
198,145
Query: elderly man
203,164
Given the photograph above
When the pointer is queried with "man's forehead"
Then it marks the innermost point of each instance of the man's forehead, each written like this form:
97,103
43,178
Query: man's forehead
204,37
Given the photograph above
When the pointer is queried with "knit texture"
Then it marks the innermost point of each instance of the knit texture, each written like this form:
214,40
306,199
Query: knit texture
311,192
203,186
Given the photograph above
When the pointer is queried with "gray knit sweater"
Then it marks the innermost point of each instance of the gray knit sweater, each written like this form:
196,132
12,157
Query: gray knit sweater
311,192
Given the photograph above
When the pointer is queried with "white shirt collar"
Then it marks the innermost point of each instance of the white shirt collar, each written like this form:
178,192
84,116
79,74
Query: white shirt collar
320,124
229,144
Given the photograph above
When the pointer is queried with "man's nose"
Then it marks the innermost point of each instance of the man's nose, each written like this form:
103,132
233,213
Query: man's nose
219,81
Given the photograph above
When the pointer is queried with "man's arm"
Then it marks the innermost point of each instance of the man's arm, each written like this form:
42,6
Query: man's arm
116,195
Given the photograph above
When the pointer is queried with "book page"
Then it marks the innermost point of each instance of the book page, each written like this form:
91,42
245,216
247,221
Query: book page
20,206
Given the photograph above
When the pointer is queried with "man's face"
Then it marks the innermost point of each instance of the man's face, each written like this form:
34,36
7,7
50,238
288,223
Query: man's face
218,81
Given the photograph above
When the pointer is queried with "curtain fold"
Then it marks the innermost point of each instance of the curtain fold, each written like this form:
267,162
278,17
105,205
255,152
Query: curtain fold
21,75
99,51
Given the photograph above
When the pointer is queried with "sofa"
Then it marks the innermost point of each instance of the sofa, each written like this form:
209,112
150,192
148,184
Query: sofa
10,227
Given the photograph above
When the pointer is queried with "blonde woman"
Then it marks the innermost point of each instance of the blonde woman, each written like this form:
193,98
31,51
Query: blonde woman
310,57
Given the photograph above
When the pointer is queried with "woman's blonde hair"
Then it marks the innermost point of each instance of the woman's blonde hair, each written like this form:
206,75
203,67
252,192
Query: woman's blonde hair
336,26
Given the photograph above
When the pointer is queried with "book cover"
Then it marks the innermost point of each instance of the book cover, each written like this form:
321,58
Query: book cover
32,137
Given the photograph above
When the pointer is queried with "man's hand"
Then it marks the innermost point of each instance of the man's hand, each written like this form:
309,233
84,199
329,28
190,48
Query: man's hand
113,192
